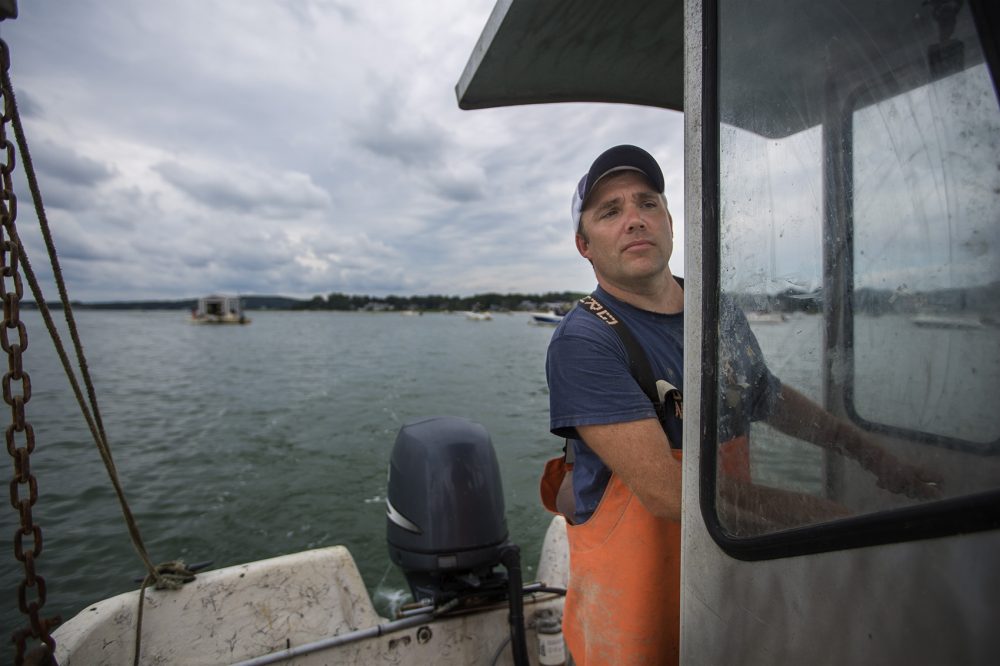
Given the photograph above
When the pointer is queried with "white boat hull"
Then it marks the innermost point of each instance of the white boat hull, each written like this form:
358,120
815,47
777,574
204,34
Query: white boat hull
224,319
546,318
273,606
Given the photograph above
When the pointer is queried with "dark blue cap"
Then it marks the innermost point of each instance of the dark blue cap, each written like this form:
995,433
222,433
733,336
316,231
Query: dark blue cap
619,158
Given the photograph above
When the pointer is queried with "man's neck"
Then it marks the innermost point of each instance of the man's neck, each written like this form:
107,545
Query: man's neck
663,295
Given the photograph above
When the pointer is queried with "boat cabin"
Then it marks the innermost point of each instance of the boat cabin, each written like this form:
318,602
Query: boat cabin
841,169
219,310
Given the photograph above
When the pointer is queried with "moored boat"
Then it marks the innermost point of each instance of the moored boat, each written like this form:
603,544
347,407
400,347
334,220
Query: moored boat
942,321
546,318
217,309
766,317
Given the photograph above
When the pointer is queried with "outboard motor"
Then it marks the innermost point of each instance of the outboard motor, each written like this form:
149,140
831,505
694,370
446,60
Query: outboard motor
445,526
445,520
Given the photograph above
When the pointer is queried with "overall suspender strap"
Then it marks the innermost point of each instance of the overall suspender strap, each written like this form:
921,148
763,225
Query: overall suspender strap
638,362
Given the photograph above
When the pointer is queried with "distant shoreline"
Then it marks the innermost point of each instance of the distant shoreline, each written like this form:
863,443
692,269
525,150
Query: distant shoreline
982,298
347,303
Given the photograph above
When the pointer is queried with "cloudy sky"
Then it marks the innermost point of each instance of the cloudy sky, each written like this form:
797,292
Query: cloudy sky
298,147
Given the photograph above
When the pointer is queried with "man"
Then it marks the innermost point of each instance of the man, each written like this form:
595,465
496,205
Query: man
620,483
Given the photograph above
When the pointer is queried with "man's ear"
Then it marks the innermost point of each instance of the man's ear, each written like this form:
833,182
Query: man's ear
582,246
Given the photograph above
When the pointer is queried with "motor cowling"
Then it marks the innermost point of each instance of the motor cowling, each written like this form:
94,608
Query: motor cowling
445,523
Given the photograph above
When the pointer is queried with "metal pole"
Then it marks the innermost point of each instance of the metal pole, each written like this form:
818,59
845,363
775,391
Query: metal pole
335,641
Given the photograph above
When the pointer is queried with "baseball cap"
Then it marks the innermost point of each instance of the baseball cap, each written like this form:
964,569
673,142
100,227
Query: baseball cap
619,158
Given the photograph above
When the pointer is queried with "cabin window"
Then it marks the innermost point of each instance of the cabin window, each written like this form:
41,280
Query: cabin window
859,240
926,212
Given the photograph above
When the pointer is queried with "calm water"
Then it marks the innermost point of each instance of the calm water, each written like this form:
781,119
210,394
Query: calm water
240,443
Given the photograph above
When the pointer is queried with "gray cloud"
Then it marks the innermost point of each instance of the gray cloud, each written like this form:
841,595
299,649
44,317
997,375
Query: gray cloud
408,146
460,184
67,166
246,190
408,138
27,105
327,155
306,11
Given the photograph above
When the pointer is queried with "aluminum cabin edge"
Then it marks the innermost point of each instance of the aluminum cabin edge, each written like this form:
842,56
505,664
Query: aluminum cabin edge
899,582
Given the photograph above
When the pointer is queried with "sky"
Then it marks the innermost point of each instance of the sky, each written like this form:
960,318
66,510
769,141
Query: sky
924,204
299,148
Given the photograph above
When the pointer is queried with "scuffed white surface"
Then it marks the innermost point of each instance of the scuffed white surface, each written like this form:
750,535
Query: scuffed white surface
226,615
250,610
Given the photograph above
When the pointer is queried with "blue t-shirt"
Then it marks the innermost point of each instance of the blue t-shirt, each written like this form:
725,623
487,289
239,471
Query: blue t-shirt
587,368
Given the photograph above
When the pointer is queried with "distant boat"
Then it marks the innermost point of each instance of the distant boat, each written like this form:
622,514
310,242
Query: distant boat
219,310
766,317
477,316
939,321
545,318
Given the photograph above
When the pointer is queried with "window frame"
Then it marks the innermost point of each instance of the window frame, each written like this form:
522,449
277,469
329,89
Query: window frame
856,100
969,513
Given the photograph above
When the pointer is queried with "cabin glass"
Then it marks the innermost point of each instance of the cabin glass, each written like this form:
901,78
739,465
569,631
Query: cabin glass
859,257
925,271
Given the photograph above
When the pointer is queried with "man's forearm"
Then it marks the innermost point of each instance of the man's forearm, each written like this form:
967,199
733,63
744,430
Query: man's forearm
755,508
639,453
798,416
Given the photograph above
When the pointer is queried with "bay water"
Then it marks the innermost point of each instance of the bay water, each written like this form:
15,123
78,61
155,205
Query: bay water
237,443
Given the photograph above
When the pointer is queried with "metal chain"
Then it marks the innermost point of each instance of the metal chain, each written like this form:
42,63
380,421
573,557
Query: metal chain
16,386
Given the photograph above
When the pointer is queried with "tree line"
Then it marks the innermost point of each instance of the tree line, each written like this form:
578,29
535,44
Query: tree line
436,302
348,302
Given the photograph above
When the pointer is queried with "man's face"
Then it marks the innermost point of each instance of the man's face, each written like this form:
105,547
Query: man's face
626,230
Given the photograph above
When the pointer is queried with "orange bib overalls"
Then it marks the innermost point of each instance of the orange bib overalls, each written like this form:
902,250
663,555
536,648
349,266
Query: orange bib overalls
623,603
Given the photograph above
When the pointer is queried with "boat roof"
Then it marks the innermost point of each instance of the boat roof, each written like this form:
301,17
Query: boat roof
534,52
220,297
632,51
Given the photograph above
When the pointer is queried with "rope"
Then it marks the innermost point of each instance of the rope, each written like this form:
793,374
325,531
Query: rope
172,576
169,575
95,424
